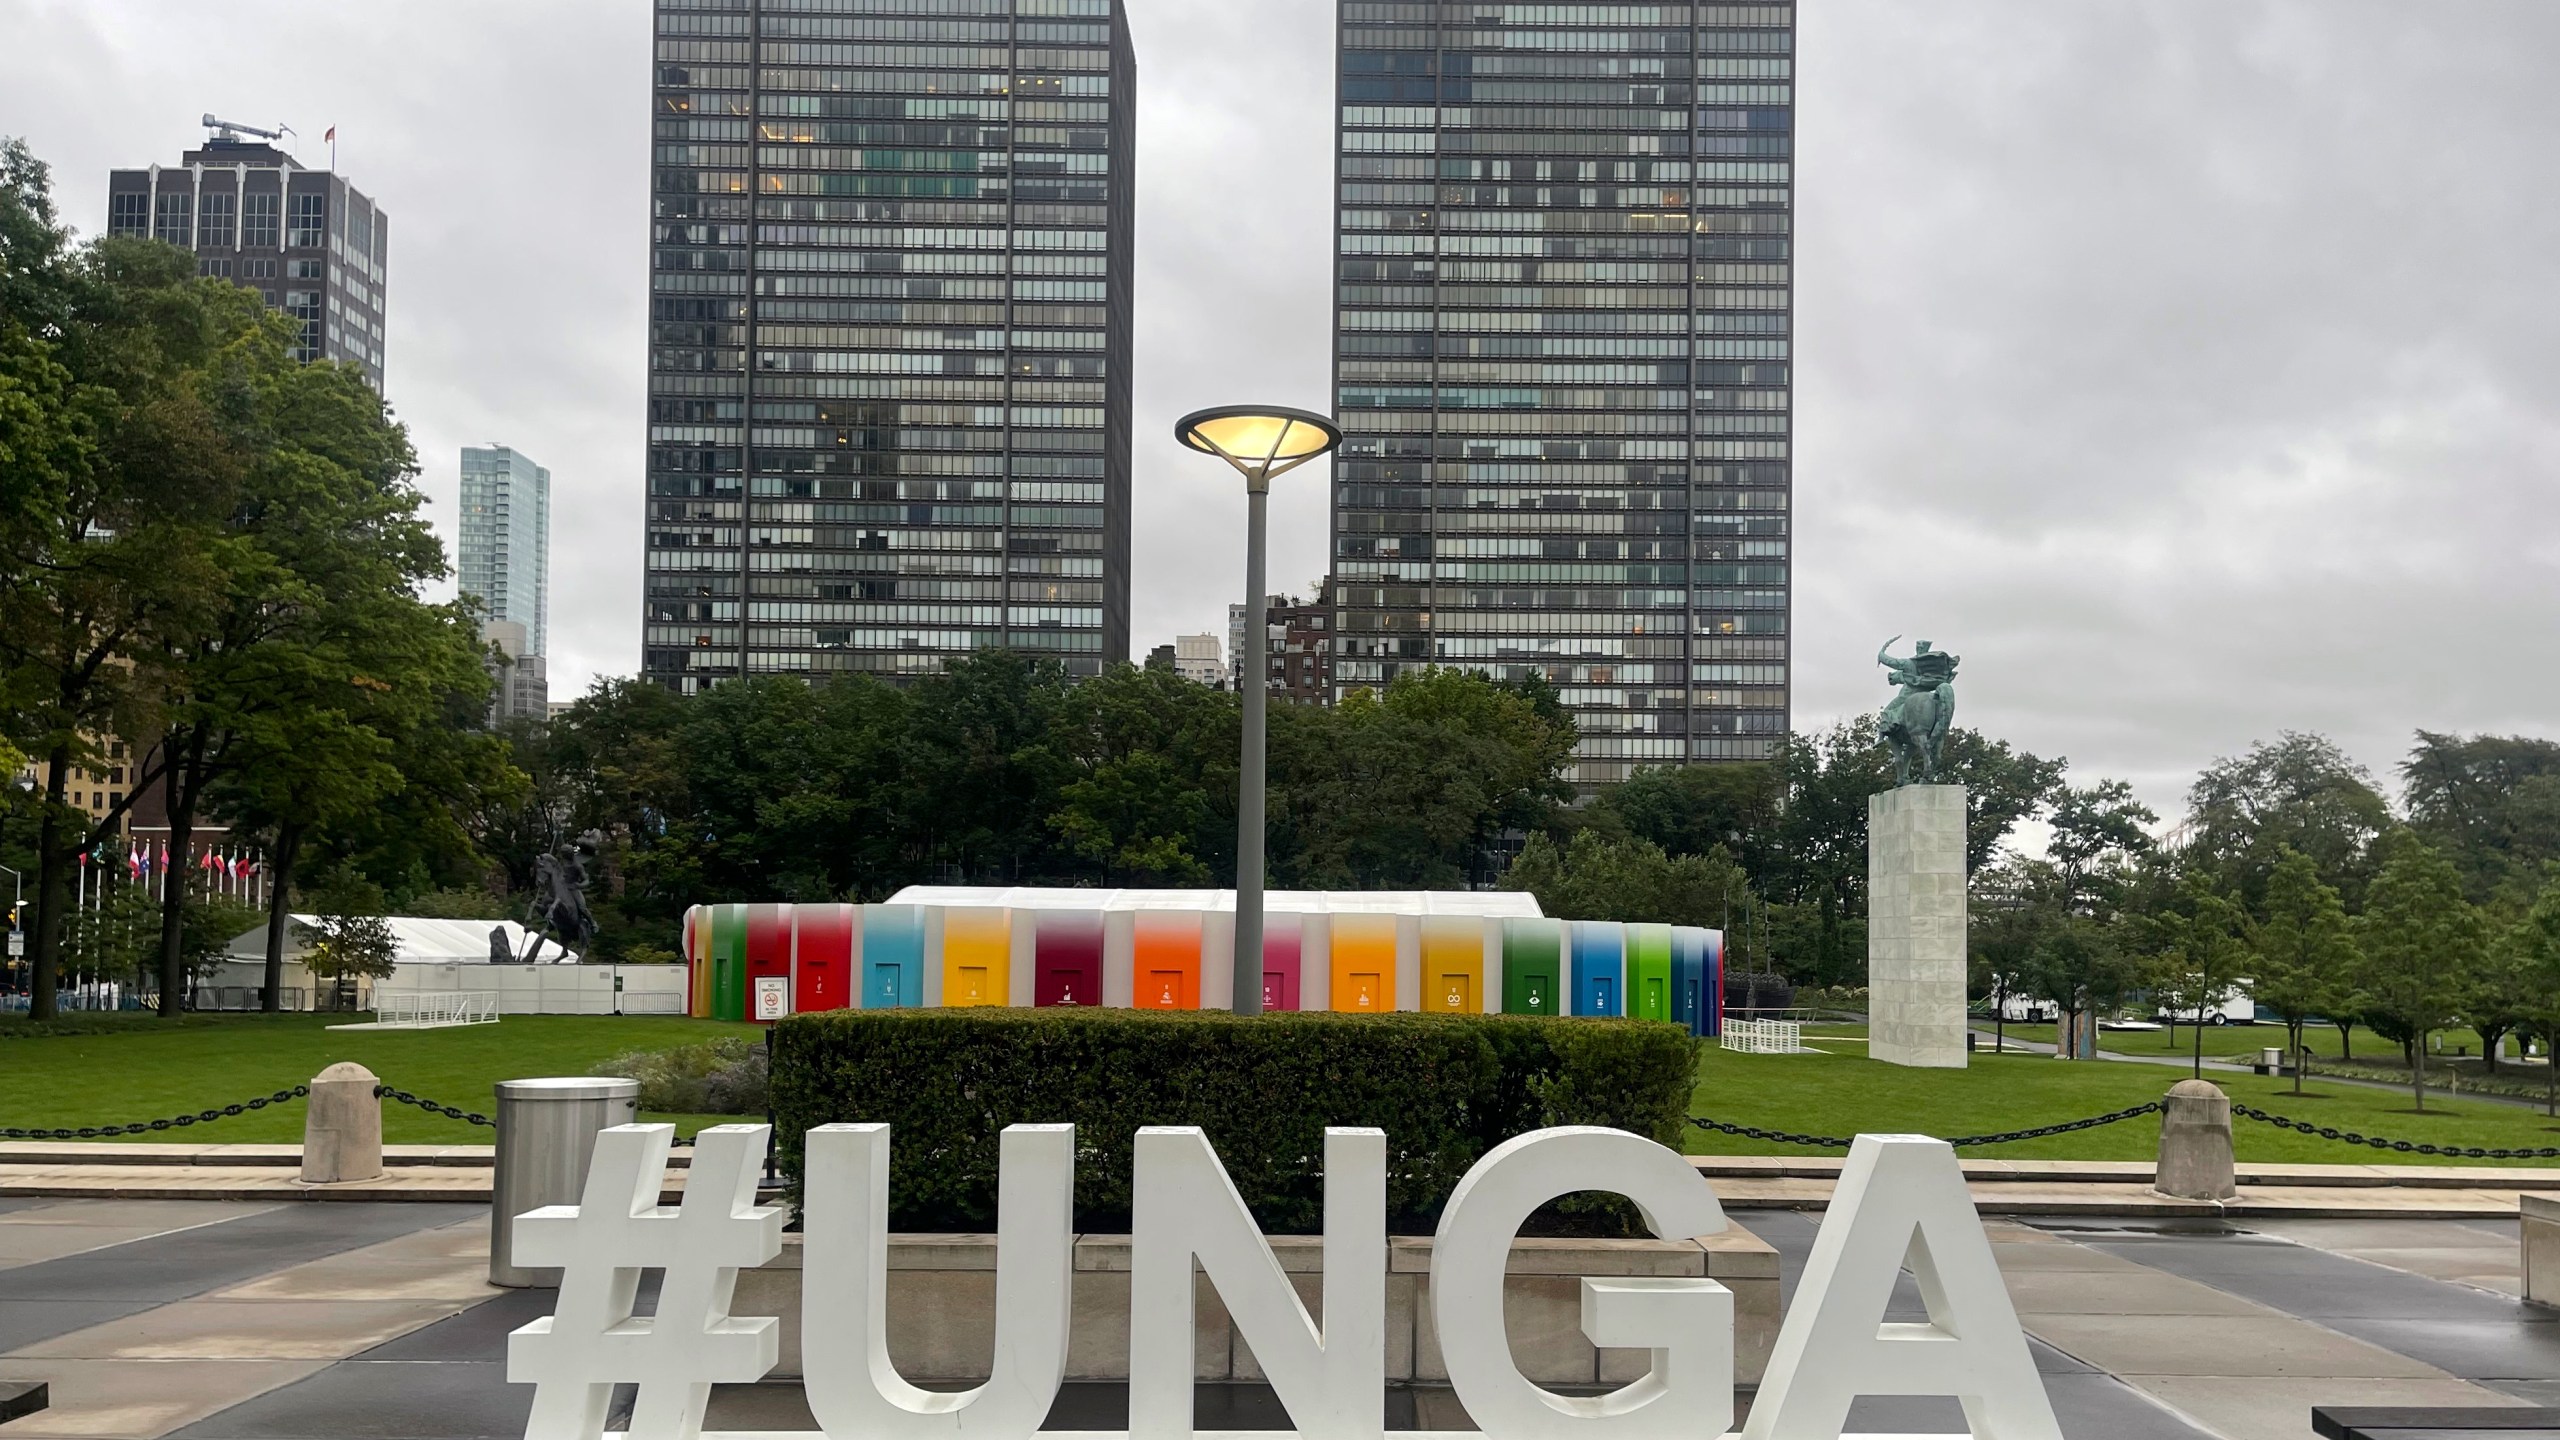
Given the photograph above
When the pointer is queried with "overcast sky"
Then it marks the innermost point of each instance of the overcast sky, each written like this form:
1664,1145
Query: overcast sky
2187,366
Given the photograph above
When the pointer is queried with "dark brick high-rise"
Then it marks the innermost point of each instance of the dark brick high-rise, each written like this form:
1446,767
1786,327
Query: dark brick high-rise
309,242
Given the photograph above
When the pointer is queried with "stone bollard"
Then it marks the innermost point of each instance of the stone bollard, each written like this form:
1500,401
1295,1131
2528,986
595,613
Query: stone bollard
342,1130
2195,1144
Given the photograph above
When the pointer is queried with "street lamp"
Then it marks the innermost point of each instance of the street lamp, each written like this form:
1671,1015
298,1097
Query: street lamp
1260,441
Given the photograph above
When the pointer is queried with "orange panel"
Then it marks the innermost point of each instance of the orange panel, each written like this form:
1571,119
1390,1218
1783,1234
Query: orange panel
1364,963
1165,974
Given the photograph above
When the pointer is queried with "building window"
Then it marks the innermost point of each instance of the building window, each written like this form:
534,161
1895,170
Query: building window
129,214
174,225
213,221
310,220
306,269
258,222
304,306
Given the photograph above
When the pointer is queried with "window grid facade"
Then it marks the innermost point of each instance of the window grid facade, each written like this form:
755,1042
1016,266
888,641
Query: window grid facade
225,200
1563,306
889,337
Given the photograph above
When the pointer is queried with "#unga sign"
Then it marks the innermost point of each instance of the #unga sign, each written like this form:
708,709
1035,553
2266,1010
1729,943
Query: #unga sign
1901,1201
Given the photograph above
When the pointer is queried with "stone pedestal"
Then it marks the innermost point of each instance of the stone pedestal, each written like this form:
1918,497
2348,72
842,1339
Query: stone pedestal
1916,926
342,1129
2195,1144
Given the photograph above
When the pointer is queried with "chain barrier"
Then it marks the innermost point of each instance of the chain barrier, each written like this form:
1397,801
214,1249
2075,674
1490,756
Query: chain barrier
432,1107
142,1127
1837,1142
2404,1147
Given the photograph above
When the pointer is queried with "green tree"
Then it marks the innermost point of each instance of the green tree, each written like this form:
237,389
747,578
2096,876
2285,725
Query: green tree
2307,961
2491,803
343,947
1593,878
1153,798
123,451
2097,834
2422,944
2532,947
1692,809
2199,953
321,559
2078,963
1413,788
2300,792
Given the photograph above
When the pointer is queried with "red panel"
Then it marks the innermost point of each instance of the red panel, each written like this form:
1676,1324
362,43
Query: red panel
1069,959
768,948
1281,950
822,957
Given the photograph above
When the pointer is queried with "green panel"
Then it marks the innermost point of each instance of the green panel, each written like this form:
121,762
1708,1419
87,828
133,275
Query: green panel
1649,972
729,962
1532,967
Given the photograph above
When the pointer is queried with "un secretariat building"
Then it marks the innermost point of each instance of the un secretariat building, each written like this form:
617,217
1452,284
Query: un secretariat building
889,335
1562,361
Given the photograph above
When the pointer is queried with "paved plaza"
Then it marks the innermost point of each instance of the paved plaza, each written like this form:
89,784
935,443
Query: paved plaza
225,1320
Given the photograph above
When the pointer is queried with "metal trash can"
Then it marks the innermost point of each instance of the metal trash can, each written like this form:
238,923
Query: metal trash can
546,1136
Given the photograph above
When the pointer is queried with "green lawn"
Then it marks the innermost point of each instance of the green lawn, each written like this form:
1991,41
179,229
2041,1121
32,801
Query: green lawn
1842,1092
2238,1042
136,1069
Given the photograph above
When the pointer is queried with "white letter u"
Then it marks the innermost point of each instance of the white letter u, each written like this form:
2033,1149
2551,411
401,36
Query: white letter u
844,1303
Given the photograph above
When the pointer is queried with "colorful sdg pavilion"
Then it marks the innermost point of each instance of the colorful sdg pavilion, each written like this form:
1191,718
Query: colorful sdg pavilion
1355,951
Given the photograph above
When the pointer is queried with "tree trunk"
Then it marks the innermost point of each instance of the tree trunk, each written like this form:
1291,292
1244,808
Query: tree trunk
2301,1056
2199,1069
279,912
2418,1069
2489,1038
180,783
56,854
2346,1040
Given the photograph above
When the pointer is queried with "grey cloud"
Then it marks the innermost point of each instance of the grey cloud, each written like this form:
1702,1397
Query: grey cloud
2185,364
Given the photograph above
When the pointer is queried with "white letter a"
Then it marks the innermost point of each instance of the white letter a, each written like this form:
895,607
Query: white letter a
1901,1196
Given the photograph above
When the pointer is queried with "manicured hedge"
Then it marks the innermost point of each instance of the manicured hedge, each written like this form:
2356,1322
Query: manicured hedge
1445,1088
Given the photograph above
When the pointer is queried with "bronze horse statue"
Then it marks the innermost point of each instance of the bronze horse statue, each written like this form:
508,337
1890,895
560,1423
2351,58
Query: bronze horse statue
1915,723
559,905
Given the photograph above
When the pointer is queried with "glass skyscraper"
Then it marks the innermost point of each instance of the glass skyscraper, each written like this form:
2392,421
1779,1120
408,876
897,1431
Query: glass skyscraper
505,556
1563,320
889,335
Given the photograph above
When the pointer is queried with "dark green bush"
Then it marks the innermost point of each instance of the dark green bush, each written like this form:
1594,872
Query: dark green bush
1445,1088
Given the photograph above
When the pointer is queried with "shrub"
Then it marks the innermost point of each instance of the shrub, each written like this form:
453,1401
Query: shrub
1445,1088
718,1077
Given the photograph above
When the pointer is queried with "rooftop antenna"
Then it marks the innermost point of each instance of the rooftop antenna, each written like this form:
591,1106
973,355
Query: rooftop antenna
232,130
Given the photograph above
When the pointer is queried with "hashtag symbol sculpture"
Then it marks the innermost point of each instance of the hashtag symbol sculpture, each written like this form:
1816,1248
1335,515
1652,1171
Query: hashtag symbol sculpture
574,1356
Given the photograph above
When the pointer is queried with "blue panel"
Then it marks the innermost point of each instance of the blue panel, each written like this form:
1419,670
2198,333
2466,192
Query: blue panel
1599,967
892,957
1689,978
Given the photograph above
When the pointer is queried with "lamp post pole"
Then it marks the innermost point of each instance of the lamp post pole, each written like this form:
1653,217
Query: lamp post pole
1255,683
1259,442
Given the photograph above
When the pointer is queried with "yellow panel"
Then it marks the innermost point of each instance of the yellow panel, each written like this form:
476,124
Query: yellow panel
1364,963
1453,977
977,956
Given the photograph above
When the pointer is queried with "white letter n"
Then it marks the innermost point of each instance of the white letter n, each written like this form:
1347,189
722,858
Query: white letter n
1333,1384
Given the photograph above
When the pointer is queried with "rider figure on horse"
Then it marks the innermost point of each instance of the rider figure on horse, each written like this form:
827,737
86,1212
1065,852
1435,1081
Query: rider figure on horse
1915,721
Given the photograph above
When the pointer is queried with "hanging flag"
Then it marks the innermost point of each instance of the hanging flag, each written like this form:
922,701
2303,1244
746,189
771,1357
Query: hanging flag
133,861
331,135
